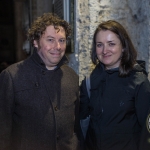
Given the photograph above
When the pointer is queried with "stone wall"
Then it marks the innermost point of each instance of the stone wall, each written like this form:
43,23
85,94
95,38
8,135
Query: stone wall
83,30
87,14
133,15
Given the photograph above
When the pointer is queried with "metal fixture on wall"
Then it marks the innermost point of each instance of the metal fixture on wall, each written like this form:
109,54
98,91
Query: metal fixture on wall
63,9
27,20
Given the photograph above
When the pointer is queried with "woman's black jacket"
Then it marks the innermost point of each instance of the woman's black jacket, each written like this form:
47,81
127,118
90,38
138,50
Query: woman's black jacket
118,108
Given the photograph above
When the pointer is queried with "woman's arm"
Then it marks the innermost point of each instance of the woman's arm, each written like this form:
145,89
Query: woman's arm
84,101
143,114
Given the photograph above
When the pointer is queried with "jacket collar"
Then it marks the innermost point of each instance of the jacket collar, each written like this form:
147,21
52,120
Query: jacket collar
138,67
37,59
109,71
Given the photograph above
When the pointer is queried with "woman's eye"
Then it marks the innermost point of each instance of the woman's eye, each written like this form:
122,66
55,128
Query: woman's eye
99,45
111,44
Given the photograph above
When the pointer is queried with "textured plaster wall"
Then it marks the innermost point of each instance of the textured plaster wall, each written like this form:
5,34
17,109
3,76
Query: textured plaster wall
133,15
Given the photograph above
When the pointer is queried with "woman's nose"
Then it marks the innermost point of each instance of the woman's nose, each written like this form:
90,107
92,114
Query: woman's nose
104,49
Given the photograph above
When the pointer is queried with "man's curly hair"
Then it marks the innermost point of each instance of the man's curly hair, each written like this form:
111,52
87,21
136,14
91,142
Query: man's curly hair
41,23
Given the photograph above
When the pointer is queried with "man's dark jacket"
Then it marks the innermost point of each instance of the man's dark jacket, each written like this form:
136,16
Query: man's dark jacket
118,107
38,106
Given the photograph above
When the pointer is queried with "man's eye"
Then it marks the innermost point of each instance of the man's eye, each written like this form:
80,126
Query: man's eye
50,40
62,40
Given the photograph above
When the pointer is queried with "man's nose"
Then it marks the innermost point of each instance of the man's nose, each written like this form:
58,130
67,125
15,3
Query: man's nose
57,44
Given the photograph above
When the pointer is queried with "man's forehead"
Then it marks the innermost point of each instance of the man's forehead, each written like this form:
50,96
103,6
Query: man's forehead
56,28
52,31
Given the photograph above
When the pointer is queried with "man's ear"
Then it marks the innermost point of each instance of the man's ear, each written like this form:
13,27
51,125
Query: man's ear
35,43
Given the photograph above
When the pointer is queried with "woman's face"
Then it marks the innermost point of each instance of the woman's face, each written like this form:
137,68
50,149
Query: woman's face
108,49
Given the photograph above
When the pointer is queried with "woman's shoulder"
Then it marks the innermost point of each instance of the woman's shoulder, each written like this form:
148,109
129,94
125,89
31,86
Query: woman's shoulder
139,74
140,66
139,69
98,69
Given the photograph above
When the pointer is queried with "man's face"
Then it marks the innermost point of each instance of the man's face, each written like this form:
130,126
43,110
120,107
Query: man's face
51,46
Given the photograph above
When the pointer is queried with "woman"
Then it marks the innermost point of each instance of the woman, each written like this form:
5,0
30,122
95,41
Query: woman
120,92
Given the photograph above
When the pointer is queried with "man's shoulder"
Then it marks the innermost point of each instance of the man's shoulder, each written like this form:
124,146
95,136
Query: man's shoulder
17,67
69,74
13,67
68,69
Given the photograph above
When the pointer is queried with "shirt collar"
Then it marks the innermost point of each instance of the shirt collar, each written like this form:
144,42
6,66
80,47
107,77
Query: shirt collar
37,59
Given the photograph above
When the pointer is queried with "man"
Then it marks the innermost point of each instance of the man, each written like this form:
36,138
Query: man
39,96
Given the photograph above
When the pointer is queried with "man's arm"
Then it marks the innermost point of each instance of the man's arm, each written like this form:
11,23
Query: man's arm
6,109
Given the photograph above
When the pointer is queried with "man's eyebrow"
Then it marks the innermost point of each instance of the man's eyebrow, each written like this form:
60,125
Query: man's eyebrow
54,37
50,37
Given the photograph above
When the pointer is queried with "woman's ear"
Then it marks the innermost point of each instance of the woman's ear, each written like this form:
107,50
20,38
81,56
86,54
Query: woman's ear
35,43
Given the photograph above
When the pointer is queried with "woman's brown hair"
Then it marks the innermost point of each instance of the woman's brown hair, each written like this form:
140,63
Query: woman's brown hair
129,54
